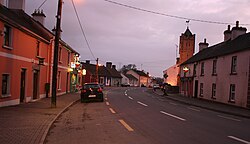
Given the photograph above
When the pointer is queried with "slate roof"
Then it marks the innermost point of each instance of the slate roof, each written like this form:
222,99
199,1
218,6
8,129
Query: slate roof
21,20
188,33
240,43
141,73
114,73
129,76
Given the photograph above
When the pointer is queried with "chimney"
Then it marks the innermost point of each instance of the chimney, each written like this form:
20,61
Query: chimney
39,16
237,31
113,66
108,64
227,34
16,4
87,61
177,60
203,45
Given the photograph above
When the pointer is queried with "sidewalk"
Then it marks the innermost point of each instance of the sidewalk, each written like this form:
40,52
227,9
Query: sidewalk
29,123
210,105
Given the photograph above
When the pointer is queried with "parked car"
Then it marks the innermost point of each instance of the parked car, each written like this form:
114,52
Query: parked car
125,85
91,92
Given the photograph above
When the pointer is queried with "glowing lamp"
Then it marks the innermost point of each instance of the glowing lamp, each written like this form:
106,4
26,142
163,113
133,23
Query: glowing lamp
185,69
84,72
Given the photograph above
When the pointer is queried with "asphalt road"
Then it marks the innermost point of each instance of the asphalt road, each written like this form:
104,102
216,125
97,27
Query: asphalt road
132,115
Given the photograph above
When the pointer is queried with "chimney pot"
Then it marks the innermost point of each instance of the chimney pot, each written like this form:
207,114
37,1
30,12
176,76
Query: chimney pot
108,64
87,61
237,23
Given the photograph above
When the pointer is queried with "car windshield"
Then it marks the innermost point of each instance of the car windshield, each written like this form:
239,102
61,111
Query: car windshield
87,86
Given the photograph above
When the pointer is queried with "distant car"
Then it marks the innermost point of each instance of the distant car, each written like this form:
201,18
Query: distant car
156,86
91,92
125,85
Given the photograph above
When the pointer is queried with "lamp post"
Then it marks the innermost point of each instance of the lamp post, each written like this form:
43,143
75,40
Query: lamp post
55,61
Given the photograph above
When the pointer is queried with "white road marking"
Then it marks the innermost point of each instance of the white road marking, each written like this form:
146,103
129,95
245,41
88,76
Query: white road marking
238,139
142,103
174,116
112,111
173,103
106,98
126,125
107,103
126,94
225,117
130,98
194,109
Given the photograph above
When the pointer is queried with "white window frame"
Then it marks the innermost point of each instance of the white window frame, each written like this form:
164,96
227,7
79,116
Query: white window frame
10,35
234,65
201,89
214,67
7,94
213,90
59,79
232,93
202,68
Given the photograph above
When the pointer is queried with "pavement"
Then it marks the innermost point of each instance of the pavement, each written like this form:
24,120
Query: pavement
29,123
206,104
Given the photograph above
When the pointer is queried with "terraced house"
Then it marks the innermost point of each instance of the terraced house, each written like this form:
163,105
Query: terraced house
26,57
220,72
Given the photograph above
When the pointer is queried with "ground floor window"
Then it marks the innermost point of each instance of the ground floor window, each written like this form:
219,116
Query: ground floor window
59,80
213,90
201,89
232,93
5,85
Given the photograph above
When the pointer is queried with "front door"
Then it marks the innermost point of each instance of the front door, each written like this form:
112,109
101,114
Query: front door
22,86
35,84
196,89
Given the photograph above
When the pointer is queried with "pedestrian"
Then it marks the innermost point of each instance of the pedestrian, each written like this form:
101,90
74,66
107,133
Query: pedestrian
165,89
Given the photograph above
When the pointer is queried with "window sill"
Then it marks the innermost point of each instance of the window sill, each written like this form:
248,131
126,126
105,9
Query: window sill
233,73
214,98
231,101
60,62
202,75
201,95
5,96
7,47
214,74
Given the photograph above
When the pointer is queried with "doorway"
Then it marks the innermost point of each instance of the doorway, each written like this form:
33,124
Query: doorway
35,84
196,89
22,85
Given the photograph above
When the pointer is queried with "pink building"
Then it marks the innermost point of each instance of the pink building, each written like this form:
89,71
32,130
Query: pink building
26,56
220,72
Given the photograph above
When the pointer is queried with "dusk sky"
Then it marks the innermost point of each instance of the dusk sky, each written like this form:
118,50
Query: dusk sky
127,36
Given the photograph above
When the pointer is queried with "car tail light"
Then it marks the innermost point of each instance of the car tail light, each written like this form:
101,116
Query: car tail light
84,91
99,90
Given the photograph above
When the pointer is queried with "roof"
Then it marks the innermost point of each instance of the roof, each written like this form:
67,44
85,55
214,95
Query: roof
21,20
238,44
141,73
129,76
114,73
188,33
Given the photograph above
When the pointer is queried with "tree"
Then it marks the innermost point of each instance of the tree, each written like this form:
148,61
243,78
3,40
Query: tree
128,67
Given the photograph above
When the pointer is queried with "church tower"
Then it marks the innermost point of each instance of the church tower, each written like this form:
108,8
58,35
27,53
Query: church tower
186,46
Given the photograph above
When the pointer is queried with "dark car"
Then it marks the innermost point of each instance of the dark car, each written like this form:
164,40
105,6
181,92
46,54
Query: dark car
91,92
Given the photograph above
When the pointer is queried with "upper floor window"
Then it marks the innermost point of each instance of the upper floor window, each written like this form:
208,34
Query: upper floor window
7,36
59,80
234,65
201,89
38,48
69,58
232,93
60,54
202,68
213,90
214,67
5,85
195,65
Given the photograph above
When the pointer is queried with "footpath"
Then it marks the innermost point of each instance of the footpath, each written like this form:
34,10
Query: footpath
206,104
29,123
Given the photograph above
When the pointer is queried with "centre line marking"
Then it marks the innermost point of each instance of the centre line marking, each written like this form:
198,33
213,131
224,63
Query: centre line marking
112,111
238,139
179,118
126,94
142,103
225,117
130,98
107,103
194,109
126,125
106,98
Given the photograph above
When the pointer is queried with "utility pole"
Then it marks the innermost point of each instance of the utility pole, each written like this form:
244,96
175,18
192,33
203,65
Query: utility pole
55,61
97,65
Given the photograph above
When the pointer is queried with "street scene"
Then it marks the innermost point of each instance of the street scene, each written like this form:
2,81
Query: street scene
124,72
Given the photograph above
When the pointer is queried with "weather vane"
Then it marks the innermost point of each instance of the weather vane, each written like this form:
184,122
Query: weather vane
187,22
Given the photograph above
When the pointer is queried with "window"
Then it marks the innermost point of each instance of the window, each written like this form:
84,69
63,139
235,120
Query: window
38,48
194,70
214,67
60,54
5,85
233,65
7,36
59,80
232,93
201,89
202,69
69,58
213,90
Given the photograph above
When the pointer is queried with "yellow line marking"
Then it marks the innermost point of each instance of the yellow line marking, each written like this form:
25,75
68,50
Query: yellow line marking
107,103
126,125
112,111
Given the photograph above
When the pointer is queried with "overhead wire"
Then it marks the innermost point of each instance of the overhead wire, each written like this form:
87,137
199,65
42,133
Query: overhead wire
168,15
82,30
42,4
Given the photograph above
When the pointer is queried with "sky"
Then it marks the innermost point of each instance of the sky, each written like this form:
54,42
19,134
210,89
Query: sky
126,36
